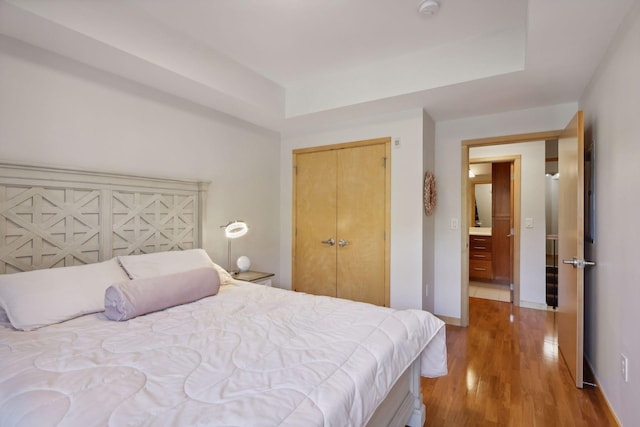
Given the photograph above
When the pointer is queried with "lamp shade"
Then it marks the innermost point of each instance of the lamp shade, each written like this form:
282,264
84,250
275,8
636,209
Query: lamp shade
235,229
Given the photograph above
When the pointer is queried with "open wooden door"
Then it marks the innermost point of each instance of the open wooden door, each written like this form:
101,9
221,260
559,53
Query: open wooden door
570,316
502,221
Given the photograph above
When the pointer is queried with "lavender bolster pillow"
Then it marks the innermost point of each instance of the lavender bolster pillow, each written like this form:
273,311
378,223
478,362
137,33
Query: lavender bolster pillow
133,298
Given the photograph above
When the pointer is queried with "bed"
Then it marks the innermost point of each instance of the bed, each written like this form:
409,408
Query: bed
243,355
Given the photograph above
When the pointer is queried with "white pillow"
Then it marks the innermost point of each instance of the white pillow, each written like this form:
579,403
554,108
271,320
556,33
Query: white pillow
43,297
133,298
171,262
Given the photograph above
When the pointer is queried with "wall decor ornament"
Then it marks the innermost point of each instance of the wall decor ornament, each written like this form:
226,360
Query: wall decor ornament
430,193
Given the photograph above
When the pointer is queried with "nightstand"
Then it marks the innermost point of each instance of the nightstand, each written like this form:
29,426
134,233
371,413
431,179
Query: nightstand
255,277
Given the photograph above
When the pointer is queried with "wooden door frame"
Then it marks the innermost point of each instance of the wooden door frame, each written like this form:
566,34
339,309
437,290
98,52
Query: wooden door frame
464,220
387,226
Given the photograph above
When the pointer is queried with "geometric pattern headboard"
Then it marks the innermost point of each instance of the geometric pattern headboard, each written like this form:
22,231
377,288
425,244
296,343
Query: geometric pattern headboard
53,217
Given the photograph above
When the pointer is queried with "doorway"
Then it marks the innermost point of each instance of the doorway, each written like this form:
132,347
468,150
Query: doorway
466,222
491,232
551,215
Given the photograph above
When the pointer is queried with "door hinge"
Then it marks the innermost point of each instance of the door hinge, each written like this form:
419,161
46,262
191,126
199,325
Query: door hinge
384,162
295,168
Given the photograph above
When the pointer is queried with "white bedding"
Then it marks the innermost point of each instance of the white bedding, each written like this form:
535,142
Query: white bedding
249,356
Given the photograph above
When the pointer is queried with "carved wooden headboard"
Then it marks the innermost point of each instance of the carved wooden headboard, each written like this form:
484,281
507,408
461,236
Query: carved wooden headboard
53,217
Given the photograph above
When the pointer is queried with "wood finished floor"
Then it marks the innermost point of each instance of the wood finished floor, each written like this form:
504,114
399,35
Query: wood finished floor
505,370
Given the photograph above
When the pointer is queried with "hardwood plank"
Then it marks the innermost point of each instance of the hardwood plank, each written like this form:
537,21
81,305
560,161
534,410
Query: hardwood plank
505,370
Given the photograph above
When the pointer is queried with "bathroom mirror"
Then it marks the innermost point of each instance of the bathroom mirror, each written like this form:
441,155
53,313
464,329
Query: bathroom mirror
481,204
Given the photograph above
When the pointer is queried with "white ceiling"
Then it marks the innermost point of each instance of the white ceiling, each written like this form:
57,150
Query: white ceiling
288,41
294,65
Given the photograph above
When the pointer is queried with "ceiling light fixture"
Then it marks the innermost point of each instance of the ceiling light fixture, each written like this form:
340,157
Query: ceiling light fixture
428,7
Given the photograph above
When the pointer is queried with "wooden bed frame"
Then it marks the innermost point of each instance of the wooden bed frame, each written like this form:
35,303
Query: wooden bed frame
54,217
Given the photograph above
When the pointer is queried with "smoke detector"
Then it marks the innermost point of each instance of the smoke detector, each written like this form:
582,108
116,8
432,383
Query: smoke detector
428,7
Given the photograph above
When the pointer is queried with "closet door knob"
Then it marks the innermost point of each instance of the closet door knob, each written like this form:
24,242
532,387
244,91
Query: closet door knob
342,243
329,241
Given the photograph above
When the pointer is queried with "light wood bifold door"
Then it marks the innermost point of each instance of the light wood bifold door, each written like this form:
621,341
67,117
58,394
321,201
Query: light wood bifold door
341,218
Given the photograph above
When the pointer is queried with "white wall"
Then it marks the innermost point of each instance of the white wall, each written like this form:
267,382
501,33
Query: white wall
428,222
532,205
406,197
612,294
59,112
449,135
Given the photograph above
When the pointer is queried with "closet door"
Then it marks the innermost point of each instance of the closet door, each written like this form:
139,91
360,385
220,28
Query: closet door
341,213
361,200
314,262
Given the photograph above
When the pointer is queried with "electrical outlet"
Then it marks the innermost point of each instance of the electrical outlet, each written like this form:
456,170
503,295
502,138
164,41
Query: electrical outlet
624,367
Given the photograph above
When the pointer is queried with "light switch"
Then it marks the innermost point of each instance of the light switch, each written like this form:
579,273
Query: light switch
528,222
454,223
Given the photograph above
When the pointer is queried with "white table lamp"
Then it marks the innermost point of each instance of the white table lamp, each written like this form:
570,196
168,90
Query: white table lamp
233,230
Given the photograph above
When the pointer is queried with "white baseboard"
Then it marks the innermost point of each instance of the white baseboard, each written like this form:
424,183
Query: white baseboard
535,305
600,392
454,321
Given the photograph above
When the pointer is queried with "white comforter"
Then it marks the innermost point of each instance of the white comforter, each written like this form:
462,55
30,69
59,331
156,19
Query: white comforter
249,356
